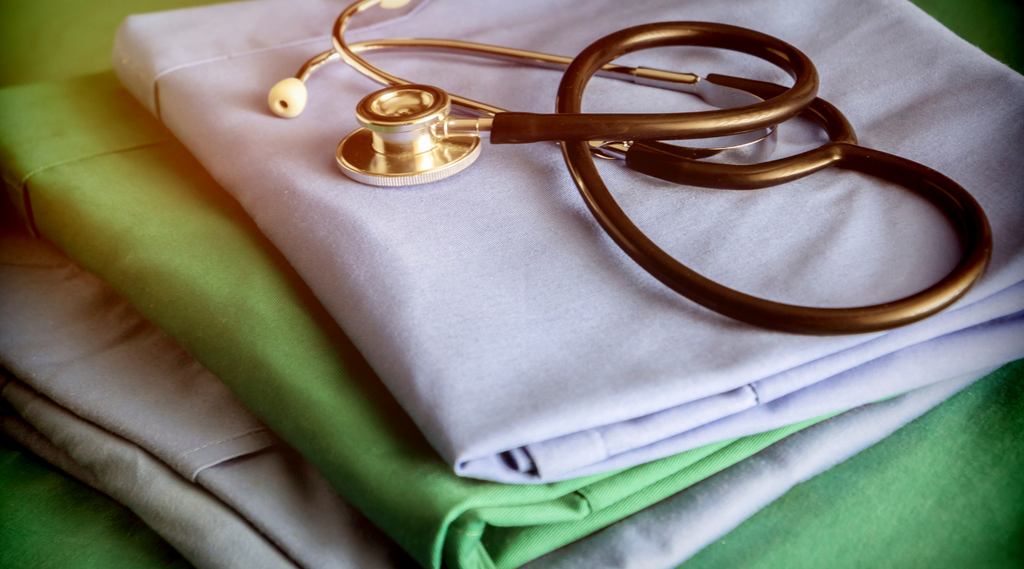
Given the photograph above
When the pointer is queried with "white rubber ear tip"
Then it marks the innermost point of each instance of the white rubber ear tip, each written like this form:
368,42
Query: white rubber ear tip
392,4
288,98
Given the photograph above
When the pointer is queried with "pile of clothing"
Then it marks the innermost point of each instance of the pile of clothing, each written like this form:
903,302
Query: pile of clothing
272,365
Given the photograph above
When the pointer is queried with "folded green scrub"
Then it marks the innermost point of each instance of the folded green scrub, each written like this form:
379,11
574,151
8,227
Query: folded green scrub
101,179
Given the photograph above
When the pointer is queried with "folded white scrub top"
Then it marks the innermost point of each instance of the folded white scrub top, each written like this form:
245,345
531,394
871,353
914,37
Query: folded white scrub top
528,347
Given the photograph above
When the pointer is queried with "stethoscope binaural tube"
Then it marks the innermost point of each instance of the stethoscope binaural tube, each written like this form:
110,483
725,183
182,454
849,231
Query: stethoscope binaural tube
515,128
674,164
667,162
287,99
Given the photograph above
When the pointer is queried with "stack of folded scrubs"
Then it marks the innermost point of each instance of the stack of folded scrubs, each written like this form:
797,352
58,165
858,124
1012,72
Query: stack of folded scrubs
184,453
497,313
524,385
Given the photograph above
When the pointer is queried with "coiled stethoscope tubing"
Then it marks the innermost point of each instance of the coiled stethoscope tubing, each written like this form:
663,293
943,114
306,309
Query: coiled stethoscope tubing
666,162
516,128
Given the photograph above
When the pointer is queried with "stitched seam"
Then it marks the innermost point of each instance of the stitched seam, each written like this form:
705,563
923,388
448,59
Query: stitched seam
757,396
224,440
181,66
30,217
14,183
22,186
19,190
24,180
156,87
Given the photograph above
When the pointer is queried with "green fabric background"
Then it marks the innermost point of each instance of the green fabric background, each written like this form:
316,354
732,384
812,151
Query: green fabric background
46,40
38,49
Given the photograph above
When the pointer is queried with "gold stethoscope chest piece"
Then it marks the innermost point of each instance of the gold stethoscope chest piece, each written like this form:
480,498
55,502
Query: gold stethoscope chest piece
403,140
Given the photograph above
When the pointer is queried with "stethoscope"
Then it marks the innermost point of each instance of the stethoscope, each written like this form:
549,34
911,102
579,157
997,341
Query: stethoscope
407,137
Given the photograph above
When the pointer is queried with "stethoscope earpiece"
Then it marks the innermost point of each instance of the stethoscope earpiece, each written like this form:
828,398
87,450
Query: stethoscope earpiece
287,98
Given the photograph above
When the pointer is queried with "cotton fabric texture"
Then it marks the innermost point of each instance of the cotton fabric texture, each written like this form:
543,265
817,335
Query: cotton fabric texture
710,509
964,457
105,183
265,506
521,341
115,397
942,492
112,189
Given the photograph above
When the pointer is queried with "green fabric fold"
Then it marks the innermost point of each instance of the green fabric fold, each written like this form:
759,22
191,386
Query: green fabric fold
108,185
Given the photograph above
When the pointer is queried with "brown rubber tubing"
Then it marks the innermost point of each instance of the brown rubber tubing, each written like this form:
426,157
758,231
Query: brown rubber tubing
517,128
956,203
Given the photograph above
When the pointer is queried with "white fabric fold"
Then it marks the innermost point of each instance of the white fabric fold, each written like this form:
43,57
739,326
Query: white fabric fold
494,307
707,511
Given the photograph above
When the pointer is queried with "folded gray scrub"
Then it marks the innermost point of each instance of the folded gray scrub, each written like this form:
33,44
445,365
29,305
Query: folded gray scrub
524,344
206,531
111,400
159,432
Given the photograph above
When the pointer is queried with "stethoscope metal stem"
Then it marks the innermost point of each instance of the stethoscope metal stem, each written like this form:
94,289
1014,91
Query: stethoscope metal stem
657,126
670,80
743,148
